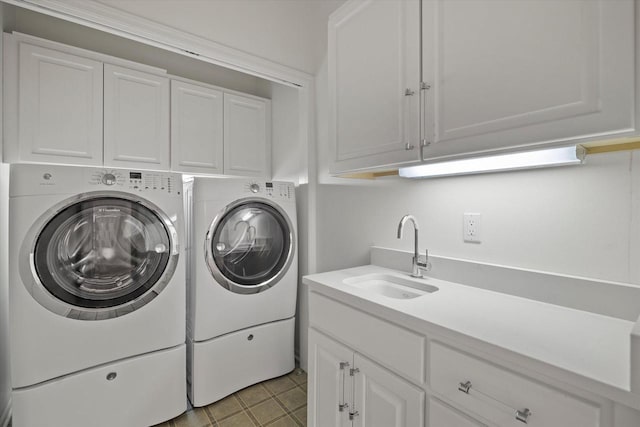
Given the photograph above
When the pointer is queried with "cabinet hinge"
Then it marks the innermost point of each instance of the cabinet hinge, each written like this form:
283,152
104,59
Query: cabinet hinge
353,371
425,86
353,414
343,406
344,365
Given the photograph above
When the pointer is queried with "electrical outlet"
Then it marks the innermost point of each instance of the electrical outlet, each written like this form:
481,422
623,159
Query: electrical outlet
471,227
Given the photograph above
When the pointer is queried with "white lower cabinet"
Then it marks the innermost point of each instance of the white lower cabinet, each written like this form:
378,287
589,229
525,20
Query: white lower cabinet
347,389
502,397
443,415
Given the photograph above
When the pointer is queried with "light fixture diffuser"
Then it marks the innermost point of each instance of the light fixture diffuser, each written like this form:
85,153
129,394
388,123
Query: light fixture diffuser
501,162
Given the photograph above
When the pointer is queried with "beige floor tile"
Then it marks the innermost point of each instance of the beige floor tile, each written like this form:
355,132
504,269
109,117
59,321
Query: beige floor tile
298,376
238,420
196,417
224,408
253,395
284,422
301,415
280,384
267,411
293,399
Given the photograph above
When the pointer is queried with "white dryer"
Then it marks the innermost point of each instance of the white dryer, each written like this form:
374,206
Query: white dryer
242,285
97,296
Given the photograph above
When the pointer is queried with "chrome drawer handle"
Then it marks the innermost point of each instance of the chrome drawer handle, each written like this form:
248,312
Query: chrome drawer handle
521,415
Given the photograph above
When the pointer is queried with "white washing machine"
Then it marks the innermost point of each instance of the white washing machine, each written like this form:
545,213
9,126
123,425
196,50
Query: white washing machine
242,284
97,296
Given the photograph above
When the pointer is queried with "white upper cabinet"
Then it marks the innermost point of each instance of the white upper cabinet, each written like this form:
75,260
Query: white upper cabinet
59,107
136,119
374,79
510,73
247,136
488,75
196,128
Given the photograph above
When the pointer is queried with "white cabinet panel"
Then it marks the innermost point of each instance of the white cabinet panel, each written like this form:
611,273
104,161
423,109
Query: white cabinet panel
508,73
196,128
373,60
441,415
60,107
496,394
247,136
136,119
384,399
328,384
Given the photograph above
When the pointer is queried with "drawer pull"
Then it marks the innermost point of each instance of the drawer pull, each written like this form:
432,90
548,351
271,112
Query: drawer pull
465,387
522,415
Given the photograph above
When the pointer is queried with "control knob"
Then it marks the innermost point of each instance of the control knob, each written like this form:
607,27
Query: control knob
109,179
254,188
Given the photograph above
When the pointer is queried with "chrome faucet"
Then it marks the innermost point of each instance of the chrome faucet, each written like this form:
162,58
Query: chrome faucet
416,264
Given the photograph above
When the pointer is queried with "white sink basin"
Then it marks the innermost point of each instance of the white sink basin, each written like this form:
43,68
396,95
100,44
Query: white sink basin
391,286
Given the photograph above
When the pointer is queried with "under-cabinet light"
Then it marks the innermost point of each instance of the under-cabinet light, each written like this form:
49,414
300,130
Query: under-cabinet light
502,162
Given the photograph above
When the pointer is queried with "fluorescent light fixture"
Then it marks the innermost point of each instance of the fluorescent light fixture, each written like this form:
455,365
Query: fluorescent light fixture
501,162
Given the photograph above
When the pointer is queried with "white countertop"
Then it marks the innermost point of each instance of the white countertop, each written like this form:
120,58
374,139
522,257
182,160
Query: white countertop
593,346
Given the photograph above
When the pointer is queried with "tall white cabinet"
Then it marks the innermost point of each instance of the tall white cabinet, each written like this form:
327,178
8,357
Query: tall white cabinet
479,76
59,106
136,119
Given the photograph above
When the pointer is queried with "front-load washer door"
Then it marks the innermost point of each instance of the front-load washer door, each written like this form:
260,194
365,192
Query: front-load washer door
103,257
250,246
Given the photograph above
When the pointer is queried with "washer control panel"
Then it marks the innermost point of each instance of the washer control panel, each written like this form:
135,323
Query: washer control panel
272,190
136,181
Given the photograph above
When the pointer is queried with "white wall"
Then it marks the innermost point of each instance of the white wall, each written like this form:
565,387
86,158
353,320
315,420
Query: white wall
291,33
5,378
578,220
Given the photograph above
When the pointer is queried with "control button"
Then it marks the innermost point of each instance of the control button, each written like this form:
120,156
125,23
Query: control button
108,179
254,188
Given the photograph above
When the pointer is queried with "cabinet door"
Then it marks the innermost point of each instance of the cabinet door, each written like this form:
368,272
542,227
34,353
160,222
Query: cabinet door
60,107
442,415
526,72
329,381
136,119
247,136
384,399
196,128
374,77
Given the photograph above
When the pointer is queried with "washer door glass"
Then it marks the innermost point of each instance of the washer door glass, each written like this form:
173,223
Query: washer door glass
251,244
102,252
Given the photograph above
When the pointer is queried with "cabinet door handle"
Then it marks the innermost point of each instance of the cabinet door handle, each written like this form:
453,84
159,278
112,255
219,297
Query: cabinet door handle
521,415
408,92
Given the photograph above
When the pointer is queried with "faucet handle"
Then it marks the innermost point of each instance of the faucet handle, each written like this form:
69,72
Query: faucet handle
426,265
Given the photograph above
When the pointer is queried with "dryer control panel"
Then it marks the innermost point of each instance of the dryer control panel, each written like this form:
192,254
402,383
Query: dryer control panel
136,181
272,190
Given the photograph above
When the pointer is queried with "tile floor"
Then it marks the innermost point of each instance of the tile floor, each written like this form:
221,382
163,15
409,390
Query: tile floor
280,402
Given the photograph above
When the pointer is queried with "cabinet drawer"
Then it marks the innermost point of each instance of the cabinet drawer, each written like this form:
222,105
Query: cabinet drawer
496,394
393,346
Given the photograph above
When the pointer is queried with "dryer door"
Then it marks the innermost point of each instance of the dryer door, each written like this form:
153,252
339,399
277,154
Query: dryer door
250,246
103,257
